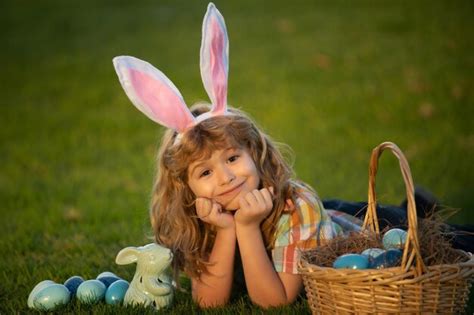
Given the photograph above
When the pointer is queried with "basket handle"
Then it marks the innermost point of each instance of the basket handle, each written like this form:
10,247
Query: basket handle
411,252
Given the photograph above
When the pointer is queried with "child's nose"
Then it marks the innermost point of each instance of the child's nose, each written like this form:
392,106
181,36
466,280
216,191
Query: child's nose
226,175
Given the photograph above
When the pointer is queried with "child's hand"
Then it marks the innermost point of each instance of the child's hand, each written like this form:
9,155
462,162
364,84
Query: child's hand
210,212
254,207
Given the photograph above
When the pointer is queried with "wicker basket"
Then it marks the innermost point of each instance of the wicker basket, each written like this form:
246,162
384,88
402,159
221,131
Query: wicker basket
410,288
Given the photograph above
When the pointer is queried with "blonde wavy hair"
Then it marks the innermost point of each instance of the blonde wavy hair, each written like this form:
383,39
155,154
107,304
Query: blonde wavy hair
173,214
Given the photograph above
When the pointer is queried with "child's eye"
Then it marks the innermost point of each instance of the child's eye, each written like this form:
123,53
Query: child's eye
205,173
233,158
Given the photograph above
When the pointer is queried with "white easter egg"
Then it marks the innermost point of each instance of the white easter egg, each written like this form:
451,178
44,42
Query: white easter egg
107,274
394,238
91,291
40,286
51,297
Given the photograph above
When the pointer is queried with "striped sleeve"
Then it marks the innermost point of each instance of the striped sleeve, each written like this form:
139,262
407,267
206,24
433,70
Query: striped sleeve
304,228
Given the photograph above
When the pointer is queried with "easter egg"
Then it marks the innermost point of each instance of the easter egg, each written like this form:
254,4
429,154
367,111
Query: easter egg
390,258
351,261
91,291
116,292
73,283
107,281
107,278
51,297
107,274
373,252
40,286
394,238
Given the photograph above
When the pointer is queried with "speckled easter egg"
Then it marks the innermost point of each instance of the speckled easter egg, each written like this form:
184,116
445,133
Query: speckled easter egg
390,258
73,283
41,285
351,261
373,252
107,278
91,291
51,297
394,238
116,292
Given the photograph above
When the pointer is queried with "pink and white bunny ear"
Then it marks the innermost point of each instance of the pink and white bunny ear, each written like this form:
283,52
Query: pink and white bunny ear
153,93
215,58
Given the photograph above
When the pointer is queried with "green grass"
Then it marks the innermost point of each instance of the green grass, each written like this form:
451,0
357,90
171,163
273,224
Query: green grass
330,78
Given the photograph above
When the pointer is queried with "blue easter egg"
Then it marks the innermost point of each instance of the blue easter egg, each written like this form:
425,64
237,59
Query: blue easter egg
394,238
73,283
40,286
108,280
373,252
51,297
116,292
91,291
351,261
390,258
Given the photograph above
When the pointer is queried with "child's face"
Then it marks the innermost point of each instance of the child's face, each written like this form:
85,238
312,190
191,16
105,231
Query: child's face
224,177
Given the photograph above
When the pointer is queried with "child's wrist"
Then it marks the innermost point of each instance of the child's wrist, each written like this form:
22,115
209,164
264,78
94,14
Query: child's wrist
225,229
226,233
251,226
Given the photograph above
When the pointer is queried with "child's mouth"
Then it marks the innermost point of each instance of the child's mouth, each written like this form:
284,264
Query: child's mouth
228,196
231,191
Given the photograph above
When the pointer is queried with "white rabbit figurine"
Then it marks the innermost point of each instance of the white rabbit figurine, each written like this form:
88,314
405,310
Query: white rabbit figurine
151,285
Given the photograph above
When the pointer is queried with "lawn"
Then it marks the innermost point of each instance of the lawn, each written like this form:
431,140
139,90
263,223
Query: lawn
332,79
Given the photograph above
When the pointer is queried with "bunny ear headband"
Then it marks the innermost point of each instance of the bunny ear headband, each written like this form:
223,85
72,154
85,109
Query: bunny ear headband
159,99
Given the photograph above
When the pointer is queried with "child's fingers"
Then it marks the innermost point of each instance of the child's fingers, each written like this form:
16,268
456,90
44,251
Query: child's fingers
215,212
203,207
251,198
243,203
271,190
216,208
267,197
258,196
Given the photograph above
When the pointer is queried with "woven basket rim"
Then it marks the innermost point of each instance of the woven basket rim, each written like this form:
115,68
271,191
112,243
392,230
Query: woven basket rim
468,262
303,263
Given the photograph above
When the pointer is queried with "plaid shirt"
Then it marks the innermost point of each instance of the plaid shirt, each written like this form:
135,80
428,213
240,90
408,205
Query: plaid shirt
303,228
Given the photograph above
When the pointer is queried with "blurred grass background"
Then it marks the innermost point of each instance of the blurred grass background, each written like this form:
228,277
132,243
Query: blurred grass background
332,79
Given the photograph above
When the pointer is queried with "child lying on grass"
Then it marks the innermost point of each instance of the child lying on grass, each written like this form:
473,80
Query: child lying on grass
225,199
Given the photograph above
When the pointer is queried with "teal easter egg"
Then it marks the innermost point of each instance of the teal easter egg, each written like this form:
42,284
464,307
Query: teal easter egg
51,297
73,283
40,286
351,261
394,238
91,291
116,292
373,252
390,258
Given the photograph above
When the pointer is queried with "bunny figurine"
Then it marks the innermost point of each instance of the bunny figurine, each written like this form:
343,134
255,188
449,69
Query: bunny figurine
151,285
